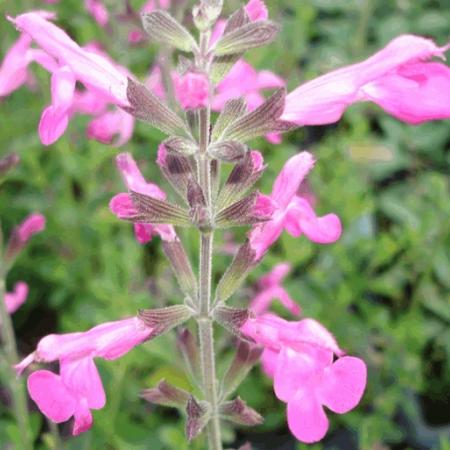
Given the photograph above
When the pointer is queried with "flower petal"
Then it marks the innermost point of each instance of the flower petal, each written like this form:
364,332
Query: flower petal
306,417
294,372
289,179
51,395
324,99
343,384
301,217
415,93
81,377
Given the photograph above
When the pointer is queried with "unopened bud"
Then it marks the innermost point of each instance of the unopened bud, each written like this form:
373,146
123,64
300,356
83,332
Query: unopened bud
227,151
167,395
33,224
246,356
176,168
188,347
233,277
152,210
243,176
239,412
181,266
206,13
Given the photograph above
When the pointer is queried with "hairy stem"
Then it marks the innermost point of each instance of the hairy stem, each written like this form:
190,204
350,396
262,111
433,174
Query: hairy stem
15,385
205,323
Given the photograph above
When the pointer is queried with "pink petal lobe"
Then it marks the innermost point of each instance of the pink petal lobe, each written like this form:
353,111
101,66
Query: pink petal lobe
415,93
53,124
306,418
134,179
290,178
83,418
294,372
256,10
343,384
14,300
301,218
122,206
51,395
81,377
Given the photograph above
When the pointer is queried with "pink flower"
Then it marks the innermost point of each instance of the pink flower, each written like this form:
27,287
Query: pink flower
122,206
396,78
15,299
270,288
92,70
192,90
299,357
33,224
21,234
68,63
256,10
98,11
106,126
293,213
78,388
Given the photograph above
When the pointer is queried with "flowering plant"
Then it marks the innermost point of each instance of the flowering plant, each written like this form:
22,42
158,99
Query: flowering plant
308,367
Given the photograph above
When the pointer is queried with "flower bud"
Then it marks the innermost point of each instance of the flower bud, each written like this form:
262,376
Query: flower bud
206,13
167,395
33,224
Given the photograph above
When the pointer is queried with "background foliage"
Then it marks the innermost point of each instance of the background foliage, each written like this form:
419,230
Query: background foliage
383,289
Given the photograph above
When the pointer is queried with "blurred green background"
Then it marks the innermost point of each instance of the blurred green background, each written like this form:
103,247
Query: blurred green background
383,289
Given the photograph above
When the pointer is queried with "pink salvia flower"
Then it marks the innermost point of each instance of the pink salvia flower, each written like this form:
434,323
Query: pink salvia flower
78,388
293,213
94,71
192,90
299,357
15,299
101,76
98,11
396,78
122,206
270,288
33,224
256,10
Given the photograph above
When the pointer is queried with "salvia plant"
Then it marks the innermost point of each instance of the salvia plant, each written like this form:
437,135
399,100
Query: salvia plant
213,172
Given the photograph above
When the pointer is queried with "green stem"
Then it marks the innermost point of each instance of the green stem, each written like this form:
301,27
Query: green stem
205,323
16,386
